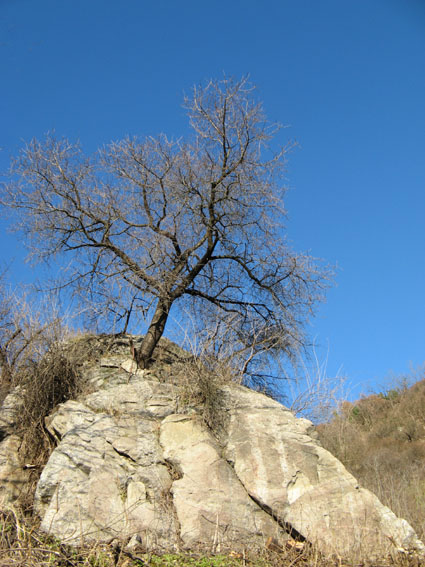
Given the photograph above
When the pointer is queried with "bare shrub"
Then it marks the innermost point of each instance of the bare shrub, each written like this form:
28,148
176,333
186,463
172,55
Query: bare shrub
40,364
201,373
52,379
313,393
27,328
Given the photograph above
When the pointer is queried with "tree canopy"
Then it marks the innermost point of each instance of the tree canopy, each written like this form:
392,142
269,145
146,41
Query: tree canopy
149,223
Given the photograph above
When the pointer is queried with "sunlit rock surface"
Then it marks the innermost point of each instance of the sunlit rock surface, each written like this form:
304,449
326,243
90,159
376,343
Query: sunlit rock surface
132,459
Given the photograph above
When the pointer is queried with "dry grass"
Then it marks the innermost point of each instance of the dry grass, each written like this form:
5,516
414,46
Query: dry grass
199,381
22,545
381,441
44,382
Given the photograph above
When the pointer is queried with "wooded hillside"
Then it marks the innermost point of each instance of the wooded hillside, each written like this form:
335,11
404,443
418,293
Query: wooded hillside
381,440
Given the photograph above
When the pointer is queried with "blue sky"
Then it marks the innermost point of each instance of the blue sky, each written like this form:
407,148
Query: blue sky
347,78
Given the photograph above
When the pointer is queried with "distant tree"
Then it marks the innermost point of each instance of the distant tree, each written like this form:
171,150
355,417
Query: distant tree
151,222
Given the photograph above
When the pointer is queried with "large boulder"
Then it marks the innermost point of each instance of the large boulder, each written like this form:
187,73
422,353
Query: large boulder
133,460
285,470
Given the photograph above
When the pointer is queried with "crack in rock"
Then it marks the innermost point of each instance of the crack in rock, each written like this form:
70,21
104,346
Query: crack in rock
122,453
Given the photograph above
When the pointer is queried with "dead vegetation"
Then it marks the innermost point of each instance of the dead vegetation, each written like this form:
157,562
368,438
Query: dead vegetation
21,545
55,374
381,441
199,381
43,381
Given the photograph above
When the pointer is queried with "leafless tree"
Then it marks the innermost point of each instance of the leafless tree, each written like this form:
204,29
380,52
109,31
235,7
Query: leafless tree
152,222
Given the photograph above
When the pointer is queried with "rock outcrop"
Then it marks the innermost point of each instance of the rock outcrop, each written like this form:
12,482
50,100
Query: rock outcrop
133,460
13,475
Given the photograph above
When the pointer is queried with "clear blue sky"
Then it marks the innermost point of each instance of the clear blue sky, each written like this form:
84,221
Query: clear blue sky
346,76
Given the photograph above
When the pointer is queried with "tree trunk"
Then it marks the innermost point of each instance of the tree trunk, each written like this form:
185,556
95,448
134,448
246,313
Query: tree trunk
154,333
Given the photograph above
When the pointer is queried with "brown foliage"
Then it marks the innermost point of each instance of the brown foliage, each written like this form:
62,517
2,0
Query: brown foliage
381,440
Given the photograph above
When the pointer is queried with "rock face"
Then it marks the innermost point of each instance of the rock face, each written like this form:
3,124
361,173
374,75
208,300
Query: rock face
13,476
131,460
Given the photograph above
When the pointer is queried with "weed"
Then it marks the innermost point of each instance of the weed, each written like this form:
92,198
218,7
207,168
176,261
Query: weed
179,560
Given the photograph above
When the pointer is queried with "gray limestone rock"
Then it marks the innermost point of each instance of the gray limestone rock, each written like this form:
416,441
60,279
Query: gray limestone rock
129,465
211,503
13,475
302,485
107,478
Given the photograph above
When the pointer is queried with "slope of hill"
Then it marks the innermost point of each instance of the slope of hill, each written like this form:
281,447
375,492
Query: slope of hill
381,440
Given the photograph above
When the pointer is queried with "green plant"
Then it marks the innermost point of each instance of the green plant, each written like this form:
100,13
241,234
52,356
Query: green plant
179,560
99,558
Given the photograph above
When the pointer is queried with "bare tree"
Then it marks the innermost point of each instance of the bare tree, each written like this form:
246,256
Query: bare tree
152,222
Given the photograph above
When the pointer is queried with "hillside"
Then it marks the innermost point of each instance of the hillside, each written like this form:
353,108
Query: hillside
381,440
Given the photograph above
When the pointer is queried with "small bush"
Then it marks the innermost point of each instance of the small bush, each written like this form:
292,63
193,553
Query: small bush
43,383
199,380
51,381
